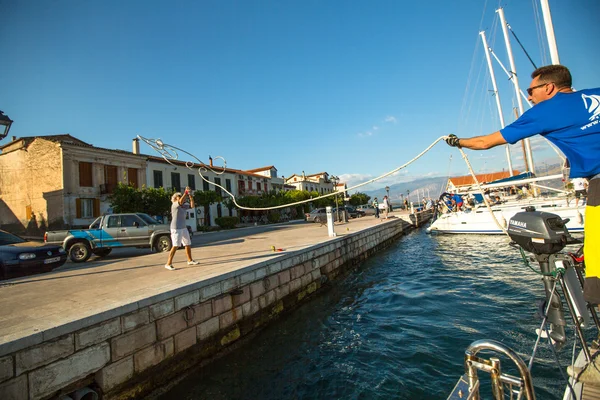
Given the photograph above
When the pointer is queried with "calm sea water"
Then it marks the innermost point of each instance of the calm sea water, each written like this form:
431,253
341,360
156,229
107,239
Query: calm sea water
395,328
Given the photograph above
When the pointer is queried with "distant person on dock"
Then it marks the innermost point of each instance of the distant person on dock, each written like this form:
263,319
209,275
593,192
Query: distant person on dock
406,204
571,121
376,205
179,233
385,205
580,186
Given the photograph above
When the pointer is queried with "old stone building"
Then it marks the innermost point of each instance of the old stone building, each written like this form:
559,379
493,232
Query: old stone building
60,181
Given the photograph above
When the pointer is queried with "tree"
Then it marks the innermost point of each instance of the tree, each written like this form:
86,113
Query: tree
359,198
205,198
126,199
156,201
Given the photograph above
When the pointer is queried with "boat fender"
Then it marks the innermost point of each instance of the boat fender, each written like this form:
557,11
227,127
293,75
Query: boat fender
579,218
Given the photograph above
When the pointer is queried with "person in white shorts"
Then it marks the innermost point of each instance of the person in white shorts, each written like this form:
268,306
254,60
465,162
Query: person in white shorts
179,233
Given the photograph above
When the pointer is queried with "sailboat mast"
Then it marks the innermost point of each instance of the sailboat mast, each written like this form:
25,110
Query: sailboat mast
515,81
496,94
550,32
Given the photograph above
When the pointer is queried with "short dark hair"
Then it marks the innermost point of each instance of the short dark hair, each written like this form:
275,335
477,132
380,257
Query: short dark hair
559,74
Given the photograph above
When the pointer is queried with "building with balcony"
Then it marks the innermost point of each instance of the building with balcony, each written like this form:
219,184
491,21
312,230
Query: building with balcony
59,181
320,182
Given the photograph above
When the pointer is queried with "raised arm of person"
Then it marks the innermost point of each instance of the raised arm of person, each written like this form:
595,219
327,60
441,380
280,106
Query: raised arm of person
478,142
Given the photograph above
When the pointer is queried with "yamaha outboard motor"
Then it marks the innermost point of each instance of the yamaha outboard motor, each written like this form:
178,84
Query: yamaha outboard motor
544,234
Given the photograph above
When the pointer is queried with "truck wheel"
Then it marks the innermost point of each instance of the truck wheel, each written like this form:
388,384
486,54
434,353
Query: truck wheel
163,243
80,252
103,252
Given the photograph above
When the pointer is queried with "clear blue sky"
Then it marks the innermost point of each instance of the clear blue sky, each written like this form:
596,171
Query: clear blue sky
354,88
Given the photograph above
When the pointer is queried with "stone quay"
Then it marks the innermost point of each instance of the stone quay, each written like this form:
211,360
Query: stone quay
125,327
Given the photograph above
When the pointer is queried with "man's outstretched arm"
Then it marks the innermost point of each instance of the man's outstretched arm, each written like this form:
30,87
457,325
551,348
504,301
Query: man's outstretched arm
478,142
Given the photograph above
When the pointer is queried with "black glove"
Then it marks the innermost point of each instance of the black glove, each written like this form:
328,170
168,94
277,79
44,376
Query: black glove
453,141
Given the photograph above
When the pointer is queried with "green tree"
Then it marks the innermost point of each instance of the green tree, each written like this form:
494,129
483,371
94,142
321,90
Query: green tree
205,198
359,198
125,199
156,201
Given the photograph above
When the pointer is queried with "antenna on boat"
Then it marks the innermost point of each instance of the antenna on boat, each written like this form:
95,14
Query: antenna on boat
497,95
515,81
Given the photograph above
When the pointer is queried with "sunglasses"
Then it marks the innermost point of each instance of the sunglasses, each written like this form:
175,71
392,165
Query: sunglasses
530,90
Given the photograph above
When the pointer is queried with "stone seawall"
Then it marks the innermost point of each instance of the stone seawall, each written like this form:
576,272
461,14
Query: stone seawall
128,356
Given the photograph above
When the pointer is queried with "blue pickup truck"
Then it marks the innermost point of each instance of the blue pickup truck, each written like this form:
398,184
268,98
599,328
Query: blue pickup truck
110,231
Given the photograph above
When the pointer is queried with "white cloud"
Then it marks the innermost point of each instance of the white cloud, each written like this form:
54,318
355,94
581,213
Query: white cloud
390,119
375,127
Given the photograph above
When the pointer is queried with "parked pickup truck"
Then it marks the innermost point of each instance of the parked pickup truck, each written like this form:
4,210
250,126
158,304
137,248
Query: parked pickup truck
110,231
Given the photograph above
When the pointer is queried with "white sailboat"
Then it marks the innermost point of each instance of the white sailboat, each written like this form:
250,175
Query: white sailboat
481,220
545,236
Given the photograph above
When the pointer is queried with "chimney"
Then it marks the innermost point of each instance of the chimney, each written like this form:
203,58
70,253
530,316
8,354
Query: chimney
210,160
14,138
136,146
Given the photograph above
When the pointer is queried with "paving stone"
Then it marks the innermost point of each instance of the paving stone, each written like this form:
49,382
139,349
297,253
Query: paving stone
238,299
208,328
152,355
222,304
162,309
97,334
130,342
14,389
202,312
257,289
6,368
284,276
208,292
187,299
135,320
170,325
116,373
230,317
271,282
43,354
46,380
185,339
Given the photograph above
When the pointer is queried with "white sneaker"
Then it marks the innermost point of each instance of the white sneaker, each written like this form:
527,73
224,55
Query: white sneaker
170,267
193,262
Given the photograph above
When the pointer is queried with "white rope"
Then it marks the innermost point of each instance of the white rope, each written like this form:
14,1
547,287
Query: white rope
485,200
170,153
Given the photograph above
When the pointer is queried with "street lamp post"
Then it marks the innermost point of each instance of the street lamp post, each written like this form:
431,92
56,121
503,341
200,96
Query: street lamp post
335,180
387,191
6,122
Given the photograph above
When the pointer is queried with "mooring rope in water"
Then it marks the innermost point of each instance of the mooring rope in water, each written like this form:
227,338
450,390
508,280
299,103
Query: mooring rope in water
171,153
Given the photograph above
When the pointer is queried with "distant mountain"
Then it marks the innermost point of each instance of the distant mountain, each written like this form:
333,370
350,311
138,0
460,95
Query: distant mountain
428,187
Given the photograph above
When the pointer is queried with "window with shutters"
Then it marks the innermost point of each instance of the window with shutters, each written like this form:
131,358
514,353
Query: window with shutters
176,181
192,181
132,177
205,185
228,185
218,189
85,174
158,179
87,208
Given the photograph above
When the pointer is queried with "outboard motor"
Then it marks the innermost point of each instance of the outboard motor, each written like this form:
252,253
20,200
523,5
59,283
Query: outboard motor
544,234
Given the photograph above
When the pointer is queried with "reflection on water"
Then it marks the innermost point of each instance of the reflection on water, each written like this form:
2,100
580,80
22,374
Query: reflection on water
396,328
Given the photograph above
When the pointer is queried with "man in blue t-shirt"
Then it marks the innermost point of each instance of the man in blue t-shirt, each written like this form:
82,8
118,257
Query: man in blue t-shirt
571,120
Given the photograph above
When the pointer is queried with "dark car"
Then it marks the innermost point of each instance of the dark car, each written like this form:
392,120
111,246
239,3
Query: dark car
355,213
19,257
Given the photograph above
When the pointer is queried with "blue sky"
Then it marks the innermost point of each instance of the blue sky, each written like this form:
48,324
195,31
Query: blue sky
354,88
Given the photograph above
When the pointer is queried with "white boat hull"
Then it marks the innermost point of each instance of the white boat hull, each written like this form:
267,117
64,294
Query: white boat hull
480,221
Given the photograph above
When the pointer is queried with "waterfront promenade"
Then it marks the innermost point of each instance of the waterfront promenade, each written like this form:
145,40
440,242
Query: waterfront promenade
33,307
124,325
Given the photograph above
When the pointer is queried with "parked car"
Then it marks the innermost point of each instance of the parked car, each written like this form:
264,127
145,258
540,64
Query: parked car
319,215
112,230
367,209
354,212
19,257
